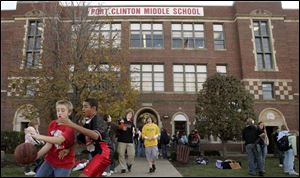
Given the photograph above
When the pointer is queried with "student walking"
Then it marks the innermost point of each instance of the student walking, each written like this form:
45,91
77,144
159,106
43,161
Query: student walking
126,132
164,141
112,130
150,134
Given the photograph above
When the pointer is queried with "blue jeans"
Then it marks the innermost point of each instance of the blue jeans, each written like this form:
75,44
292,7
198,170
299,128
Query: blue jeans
288,162
164,151
140,149
254,158
264,152
47,170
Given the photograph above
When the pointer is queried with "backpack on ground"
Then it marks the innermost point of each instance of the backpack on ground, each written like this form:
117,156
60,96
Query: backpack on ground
219,164
283,143
202,160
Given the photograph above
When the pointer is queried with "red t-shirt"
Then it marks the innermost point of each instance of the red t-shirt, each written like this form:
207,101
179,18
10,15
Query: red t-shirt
55,130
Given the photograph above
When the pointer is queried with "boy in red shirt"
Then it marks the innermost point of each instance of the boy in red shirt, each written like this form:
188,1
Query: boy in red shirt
59,137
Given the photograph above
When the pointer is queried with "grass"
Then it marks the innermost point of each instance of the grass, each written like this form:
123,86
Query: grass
11,169
194,170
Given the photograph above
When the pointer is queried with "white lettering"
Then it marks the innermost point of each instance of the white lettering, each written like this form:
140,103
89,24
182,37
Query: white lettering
145,11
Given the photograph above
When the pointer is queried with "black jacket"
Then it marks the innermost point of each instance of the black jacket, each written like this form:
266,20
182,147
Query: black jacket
127,135
250,134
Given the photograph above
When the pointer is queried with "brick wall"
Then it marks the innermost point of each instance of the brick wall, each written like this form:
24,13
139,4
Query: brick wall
238,56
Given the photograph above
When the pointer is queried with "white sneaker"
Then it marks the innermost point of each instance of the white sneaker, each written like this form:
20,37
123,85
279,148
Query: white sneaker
294,173
31,173
79,166
104,174
111,172
280,165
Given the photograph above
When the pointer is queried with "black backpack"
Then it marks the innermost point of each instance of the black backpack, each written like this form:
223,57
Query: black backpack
283,143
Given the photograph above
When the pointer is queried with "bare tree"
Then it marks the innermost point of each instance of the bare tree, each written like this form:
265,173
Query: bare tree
81,57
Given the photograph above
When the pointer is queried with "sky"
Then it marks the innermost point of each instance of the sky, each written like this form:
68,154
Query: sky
11,5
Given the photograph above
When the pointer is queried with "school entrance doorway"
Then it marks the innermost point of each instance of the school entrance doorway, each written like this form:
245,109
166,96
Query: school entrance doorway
273,119
142,114
180,122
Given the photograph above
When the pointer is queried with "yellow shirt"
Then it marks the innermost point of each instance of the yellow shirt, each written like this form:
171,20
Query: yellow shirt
150,130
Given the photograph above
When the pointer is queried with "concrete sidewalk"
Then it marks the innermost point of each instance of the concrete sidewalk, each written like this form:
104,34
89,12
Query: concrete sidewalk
141,169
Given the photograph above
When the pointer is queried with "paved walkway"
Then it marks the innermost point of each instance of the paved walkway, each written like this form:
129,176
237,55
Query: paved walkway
141,169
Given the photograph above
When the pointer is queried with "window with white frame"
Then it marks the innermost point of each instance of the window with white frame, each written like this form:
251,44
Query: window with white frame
106,33
262,45
187,35
146,35
219,39
147,77
189,77
221,69
108,74
268,91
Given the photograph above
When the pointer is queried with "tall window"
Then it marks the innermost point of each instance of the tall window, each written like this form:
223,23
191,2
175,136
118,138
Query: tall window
107,34
221,69
189,78
262,44
147,77
146,35
187,35
219,39
267,91
33,49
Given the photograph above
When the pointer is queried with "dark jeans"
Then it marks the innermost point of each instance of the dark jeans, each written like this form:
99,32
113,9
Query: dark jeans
254,158
164,149
281,157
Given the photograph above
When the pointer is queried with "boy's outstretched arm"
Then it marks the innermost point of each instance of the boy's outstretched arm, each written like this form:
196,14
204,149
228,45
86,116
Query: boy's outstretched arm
44,150
93,134
50,139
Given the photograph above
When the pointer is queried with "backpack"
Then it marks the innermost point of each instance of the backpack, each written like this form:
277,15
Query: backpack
202,161
219,164
283,143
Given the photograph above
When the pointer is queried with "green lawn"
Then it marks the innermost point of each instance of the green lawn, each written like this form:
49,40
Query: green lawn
11,169
194,170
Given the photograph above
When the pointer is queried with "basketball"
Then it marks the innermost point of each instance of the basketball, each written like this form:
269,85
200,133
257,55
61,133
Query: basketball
25,153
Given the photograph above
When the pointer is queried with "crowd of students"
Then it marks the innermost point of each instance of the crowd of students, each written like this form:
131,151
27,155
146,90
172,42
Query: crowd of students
104,139
256,142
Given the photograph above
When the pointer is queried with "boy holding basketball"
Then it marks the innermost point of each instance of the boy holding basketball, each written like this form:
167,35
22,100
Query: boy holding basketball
59,137
95,135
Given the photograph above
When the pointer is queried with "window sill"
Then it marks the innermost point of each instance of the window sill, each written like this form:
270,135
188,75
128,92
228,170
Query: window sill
198,49
266,70
147,48
273,99
220,49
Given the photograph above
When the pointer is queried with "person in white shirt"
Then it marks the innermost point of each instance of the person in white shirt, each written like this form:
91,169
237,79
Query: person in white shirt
289,155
